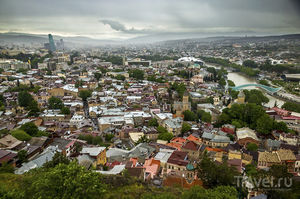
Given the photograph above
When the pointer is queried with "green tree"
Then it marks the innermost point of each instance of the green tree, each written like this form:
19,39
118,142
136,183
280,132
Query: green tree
143,139
161,129
95,140
159,196
179,88
222,82
291,106
65,110
6,168
62,181
250,63
255,96
252,147
213,174
189,116
97,76
55,103
185,127
21,135
197,192
22,156
109,137
78,84
120,77
264,124
264,82
204,116
250,169
165,136
153,122
30,128
57,159
231,83
33,109
237,124
84,94
24,99
280,126
137,74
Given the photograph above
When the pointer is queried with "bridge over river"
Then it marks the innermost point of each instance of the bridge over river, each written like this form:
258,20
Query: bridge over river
267,88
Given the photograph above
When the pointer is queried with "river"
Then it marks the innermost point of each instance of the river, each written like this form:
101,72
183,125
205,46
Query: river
240,79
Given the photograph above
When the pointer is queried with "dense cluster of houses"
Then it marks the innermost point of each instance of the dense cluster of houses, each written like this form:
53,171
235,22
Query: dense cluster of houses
123,110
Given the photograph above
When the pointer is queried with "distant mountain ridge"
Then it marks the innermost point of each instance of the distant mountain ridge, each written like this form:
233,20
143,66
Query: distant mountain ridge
13,37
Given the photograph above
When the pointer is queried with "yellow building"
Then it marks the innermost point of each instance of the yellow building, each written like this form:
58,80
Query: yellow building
98,154
57,92
234,155
241,98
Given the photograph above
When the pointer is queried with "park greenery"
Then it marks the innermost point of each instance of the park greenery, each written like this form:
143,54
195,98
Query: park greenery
158,57
199,115
251,68
291,106
264,82
226,63
250,115
117,60
255,96
289,86
20,135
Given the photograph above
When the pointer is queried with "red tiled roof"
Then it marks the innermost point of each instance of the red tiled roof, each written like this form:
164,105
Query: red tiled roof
291,118
179,158
214,149
175,145
193,138
191,146
6,156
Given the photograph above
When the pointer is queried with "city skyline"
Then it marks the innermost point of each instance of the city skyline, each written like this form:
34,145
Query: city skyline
118,20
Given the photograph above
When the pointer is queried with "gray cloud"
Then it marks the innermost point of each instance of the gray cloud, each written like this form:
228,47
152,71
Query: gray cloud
130,18
114,25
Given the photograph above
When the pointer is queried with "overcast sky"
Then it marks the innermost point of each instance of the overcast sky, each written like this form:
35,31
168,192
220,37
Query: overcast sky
122,19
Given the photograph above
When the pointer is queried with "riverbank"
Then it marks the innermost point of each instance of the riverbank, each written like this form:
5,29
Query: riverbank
241,79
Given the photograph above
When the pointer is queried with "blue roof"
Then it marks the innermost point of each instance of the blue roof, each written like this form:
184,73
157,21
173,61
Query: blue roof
189,167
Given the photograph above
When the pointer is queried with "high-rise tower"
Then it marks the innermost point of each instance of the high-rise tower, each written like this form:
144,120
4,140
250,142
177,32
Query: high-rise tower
51,43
